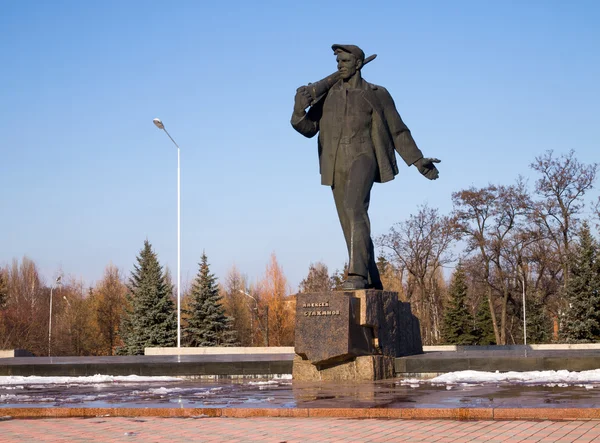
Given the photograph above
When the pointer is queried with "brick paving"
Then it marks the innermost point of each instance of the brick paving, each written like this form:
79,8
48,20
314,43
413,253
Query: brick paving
278,430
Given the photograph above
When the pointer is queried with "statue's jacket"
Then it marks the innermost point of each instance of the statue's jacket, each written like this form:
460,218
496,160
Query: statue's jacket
388,132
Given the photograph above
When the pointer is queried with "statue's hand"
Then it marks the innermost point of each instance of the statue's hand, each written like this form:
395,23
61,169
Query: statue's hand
427,168
302,100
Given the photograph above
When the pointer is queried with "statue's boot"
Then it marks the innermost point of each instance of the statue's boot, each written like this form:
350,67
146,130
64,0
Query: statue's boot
354,282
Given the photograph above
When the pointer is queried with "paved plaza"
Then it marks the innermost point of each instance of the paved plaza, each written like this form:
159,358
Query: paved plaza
156,429
566,409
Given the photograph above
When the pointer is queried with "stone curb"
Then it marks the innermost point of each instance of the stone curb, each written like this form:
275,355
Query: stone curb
357,413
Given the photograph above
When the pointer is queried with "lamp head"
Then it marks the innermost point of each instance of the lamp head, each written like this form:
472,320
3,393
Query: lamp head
158,123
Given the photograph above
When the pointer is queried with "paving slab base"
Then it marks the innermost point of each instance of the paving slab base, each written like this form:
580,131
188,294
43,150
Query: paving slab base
297,430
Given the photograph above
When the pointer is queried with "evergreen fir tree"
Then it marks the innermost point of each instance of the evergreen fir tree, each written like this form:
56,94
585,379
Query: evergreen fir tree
458,321
207,324
338,277
317,280
484,327
539,323
382,264
582,322
151,319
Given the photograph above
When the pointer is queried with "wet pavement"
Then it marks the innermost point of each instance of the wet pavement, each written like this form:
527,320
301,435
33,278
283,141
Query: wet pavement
283,393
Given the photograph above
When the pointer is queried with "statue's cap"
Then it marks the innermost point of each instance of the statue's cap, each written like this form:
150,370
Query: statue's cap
352,49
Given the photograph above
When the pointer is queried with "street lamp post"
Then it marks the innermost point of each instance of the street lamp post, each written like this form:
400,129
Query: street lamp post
57,282
252,314
69,320
266,318
524,313
159,124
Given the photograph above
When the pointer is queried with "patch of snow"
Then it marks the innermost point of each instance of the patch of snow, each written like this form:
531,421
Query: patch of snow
6,380
560,378
258,400
159,391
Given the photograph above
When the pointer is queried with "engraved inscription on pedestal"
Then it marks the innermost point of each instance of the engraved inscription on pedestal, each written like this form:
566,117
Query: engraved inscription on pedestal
318,309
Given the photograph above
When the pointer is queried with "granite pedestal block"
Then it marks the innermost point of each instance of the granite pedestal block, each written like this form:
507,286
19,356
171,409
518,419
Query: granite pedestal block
352,335
363,368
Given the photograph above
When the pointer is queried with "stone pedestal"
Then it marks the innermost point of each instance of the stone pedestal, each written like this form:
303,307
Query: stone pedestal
364,368
352,335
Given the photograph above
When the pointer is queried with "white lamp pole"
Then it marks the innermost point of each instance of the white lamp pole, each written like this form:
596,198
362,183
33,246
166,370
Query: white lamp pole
524,313
251,314
159,124
524,275
57,282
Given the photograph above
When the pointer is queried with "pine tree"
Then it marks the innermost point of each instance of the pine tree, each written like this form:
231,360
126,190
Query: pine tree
539,323
207,324
484,328
338,277
151,319
382,264
458,321
582,322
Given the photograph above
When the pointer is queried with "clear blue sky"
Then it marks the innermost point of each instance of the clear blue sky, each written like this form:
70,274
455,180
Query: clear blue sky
86,177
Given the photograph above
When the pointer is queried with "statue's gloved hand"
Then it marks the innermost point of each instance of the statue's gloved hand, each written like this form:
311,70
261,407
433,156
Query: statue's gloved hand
302,100
427,168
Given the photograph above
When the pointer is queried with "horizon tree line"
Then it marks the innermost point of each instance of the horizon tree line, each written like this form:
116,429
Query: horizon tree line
123,317
504,241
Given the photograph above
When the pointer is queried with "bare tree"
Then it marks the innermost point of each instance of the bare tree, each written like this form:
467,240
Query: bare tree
508,238
27,307
3,301
3,287
421,246
108,301
560,190
76,331
474,211
241,308
278,306
493,222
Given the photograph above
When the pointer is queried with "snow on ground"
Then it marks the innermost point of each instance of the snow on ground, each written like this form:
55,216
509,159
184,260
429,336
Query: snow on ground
552,378
276,380
94,379
546,378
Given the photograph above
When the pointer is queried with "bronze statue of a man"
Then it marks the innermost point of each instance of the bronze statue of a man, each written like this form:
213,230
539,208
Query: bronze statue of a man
359,129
